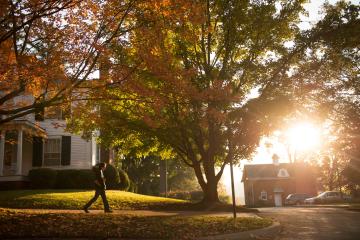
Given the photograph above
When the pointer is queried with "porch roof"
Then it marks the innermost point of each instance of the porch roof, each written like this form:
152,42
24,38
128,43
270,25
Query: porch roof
26,125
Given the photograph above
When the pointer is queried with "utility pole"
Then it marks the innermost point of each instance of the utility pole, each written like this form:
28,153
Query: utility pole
166,178
163,178
233,188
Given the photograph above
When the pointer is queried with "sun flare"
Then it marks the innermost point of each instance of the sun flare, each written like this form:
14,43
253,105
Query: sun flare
303,136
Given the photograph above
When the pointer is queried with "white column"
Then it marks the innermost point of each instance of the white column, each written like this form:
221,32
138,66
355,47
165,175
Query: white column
19,152
93,151
2,151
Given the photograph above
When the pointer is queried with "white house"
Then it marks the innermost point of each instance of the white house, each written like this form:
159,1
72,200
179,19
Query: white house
34,142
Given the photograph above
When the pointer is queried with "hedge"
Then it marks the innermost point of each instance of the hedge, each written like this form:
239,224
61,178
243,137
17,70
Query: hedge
76,178
42,178
72,179
124,184
112,177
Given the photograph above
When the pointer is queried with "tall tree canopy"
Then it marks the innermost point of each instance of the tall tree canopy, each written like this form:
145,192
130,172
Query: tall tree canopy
329,88
211,78
49,48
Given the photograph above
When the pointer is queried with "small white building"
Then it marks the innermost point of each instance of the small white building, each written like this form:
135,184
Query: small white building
34,142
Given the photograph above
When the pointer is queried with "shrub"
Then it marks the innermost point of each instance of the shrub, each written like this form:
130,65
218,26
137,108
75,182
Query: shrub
196,196
74,178
86,178
124,180
112,177
42,178
225,198
184,195
66,179
132,187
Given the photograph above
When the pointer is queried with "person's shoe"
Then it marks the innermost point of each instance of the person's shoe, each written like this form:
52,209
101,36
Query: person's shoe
86,210
108,211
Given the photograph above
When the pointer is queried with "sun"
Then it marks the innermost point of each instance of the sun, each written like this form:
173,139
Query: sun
303,136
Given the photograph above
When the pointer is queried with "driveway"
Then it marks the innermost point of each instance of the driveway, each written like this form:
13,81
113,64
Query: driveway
315,222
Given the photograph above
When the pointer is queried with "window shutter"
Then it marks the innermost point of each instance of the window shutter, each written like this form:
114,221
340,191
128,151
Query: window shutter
65,150
37,156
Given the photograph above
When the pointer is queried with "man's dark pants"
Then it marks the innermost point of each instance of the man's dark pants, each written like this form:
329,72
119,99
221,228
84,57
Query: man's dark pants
99,192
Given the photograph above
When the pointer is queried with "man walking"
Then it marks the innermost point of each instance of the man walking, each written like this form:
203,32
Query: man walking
100,188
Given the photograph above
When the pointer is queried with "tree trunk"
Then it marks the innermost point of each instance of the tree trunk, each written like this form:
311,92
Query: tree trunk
209,188
211,196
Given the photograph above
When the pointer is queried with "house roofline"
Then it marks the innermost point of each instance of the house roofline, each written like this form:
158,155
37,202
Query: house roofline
26,125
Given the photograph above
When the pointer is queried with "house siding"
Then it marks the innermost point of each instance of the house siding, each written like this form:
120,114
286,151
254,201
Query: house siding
83,154
248,193
286,185
305,180
81,150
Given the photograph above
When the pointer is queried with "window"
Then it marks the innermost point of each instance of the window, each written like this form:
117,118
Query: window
52,152
10,152
333,194
263,195
283,173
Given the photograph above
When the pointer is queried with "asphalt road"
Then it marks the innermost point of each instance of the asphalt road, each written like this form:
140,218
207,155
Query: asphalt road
315,223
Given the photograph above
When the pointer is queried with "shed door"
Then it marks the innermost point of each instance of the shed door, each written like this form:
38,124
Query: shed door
278,199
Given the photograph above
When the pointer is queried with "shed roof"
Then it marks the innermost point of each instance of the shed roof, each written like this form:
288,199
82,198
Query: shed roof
267,171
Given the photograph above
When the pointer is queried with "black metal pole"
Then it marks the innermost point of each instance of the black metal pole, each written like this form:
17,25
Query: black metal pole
166,178
232,188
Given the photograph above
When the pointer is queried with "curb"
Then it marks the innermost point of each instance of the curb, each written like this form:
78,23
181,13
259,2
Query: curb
323,206
354,209
268,232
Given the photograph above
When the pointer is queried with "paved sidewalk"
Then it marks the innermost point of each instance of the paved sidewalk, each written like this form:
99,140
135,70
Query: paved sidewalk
268,233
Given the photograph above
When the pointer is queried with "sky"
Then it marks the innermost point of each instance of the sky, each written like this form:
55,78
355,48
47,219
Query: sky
263,155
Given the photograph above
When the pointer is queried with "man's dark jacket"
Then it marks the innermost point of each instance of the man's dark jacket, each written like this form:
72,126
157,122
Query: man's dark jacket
98,179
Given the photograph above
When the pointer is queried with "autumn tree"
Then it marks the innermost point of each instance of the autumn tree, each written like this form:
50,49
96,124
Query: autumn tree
345,143
197,65
327,88
351,171
49,48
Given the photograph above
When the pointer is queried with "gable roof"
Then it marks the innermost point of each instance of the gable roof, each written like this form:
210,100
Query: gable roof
268,171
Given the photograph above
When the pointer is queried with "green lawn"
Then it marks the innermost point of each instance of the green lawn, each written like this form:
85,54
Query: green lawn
75,199
20,223
16,222
120,200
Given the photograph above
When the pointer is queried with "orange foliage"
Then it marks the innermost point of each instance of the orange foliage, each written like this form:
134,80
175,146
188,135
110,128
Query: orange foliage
48,49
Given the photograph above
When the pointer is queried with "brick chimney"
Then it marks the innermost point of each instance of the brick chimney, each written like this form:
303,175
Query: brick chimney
275,159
